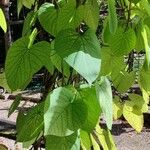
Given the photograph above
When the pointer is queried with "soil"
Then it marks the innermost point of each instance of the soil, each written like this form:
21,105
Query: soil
125,137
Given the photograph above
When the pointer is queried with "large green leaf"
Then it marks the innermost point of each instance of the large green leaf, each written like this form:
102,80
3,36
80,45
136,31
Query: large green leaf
104,93
89,97
122,42
71,142
48,17
22,62
53,20
113,22
123,80
80,51
70,15
64,112
3,24
30,124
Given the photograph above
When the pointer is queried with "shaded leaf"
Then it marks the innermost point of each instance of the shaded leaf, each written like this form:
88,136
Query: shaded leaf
30,124
71,142
89,97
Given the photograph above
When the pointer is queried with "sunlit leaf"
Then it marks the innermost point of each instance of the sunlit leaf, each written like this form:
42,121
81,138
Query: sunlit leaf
3,24
64,113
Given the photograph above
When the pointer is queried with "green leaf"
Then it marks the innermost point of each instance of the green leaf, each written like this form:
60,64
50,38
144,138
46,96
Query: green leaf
117,108
105,138
54,20
104,94
70,16
30,124
134,117
85,140
122,42
71,142
64,112
3,82
89,97
28,23
123,80
14,105
22,62
91,14
137,102
3,24
82,52
48,17
110,63
59,63
113,22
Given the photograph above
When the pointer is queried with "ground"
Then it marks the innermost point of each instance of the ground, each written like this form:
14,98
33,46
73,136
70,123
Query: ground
125,137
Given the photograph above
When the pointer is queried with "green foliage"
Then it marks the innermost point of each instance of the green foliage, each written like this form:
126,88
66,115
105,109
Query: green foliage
14,105
90,54
133,111
127,41
23,61
123,80
30,124
80,48
64,112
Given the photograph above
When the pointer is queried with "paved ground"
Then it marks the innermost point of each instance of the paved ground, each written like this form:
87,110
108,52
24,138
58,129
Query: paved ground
125,137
